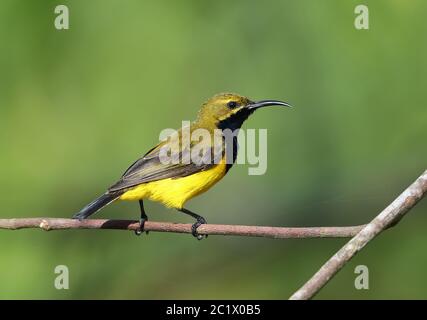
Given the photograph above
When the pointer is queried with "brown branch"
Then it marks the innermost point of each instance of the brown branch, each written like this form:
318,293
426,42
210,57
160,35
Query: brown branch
361,234
387,218
211,229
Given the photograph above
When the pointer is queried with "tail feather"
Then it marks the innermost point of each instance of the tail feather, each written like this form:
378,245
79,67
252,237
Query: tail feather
96,205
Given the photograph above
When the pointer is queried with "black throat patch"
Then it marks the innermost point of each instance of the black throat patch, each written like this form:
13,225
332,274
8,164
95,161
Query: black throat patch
235,121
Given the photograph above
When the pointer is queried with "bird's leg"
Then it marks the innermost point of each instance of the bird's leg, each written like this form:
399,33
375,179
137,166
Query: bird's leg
199,221
142,220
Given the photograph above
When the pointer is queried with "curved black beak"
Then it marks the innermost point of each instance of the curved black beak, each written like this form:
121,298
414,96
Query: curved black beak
266,103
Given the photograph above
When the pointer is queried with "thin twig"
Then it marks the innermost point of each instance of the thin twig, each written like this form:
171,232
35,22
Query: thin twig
211,229
362,234
388,217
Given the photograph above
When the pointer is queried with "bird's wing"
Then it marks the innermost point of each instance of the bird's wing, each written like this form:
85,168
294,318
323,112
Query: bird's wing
151,168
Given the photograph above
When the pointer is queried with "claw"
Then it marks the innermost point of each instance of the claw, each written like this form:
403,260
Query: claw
140,230
194,227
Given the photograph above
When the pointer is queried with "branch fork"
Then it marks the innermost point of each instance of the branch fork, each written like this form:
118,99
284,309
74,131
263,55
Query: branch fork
361,235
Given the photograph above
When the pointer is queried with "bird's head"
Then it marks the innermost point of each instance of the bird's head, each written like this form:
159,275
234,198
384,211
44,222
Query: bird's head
229,110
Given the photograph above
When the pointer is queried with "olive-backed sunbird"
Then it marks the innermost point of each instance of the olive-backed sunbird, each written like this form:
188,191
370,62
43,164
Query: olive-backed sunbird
172,183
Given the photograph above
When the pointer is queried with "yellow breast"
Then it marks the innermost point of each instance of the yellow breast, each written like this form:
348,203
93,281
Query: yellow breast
174,193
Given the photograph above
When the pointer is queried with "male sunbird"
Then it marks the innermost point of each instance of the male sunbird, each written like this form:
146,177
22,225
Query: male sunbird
172,183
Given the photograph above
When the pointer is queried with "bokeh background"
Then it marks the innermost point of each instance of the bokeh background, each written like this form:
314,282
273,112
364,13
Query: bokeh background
78,106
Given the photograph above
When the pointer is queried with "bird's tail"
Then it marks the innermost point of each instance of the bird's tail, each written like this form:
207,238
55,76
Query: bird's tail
97,205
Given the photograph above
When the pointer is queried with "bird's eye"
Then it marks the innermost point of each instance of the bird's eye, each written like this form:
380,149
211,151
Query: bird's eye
232,104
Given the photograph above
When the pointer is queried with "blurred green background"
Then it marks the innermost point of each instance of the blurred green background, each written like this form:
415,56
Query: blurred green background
78,106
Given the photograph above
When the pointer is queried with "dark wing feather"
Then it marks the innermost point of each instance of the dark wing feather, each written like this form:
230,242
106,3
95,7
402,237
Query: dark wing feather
150,168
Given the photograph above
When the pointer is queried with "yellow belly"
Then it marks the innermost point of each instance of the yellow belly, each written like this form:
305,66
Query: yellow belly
173,193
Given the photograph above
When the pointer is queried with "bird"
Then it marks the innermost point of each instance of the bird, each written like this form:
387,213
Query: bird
173,183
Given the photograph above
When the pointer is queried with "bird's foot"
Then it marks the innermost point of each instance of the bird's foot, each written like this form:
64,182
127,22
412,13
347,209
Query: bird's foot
140,229
194,227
